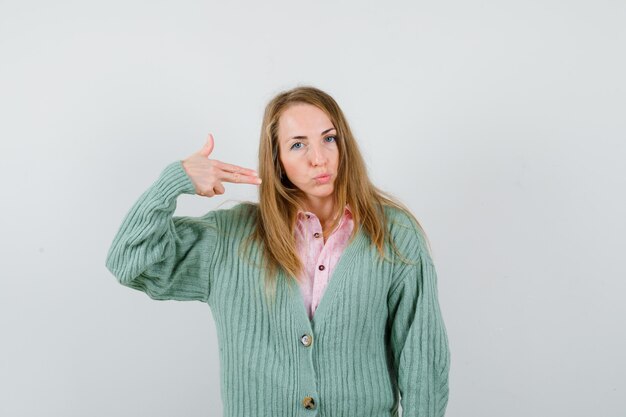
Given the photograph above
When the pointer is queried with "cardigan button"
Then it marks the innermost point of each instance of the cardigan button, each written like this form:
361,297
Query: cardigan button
308,403
317,234
306,340
321,267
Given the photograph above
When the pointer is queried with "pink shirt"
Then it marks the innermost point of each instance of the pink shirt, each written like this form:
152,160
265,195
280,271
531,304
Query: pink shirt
319,257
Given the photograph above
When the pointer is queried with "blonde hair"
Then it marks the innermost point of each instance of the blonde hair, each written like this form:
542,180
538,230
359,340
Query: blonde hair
279,200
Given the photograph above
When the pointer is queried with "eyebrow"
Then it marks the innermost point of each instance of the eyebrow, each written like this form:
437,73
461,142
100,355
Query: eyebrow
306,138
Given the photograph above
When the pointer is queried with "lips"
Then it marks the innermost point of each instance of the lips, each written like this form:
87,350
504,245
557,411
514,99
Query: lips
323,179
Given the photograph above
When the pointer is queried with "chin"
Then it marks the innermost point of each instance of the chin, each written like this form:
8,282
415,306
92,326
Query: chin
321,194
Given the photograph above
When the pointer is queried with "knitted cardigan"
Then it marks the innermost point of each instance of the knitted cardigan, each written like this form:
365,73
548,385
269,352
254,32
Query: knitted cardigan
377,336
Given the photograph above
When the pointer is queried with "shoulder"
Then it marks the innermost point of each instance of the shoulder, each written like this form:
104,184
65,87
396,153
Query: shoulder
239,218
406,232
241,208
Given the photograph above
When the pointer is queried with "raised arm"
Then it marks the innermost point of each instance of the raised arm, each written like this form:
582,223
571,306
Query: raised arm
169,257
166,257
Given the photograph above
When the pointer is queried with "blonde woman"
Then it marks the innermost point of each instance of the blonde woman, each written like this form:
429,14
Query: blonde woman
324,292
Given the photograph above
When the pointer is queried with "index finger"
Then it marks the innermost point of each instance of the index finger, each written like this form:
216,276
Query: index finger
235,168
241,179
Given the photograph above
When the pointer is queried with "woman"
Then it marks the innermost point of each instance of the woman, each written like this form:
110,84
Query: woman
364,326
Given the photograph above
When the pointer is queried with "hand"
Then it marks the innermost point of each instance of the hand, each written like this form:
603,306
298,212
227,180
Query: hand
207,174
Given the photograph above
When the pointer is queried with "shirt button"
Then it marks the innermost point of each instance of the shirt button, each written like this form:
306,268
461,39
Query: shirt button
308,403
321,267
317,234
306,340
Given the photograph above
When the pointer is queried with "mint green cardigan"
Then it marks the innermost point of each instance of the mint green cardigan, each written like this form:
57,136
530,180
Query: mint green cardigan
377,336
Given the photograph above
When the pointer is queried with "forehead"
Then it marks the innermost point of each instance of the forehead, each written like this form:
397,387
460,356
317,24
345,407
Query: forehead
302,120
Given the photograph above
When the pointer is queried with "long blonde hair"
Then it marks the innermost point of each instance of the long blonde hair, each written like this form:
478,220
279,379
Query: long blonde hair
279,199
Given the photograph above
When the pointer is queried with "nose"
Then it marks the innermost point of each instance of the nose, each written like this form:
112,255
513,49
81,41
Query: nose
317,156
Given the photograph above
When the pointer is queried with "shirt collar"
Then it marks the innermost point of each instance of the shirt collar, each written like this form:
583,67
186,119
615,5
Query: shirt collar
302,214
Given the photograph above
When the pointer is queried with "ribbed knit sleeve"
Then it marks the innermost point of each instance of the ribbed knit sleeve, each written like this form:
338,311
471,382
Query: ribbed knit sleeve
167,257
419,341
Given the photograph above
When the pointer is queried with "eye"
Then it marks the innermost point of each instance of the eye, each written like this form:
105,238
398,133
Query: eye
334,138
297,143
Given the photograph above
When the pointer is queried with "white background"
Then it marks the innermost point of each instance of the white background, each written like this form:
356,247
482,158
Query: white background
501,124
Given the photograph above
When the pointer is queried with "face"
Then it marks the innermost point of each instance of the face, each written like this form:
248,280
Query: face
307,149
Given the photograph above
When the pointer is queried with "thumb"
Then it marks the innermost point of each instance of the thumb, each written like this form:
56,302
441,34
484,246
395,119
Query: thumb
208,146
